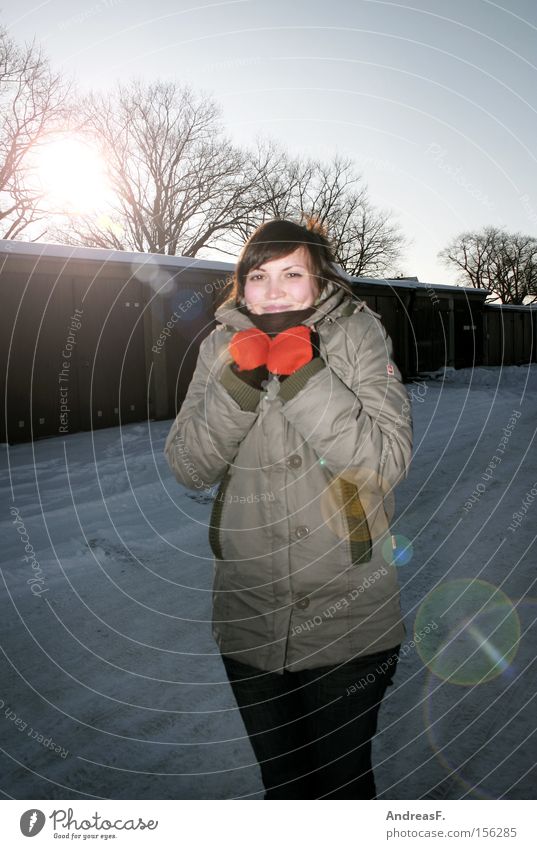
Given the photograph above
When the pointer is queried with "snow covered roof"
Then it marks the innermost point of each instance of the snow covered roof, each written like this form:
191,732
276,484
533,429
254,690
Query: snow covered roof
46,250
511,306
413,283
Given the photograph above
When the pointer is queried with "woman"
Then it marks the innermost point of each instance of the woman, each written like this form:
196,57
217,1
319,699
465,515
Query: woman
298,410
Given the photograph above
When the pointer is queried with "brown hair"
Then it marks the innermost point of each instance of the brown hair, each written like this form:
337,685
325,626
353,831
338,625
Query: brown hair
277,238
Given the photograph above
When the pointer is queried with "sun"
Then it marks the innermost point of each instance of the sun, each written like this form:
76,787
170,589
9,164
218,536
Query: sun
72,175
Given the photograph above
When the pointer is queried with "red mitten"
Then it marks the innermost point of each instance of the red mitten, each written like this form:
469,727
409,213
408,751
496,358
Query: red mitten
249,348
290,350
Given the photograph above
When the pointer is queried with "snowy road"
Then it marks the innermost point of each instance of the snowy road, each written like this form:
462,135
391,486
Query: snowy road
111,684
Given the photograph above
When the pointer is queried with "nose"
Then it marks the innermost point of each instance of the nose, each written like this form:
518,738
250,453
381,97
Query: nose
274,288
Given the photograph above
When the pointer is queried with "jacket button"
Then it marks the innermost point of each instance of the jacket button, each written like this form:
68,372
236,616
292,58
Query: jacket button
302,531
303,603
294,461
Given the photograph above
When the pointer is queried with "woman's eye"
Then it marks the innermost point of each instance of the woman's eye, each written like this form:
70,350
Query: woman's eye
294,274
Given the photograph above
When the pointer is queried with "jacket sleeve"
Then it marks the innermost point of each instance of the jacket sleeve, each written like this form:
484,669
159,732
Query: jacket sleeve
215,416
368,425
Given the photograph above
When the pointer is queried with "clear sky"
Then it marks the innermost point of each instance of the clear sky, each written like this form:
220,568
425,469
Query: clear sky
434,101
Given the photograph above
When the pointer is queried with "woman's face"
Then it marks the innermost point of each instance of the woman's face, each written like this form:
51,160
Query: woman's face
286,283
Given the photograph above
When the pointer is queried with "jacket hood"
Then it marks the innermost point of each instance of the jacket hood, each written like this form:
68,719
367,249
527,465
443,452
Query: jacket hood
333,302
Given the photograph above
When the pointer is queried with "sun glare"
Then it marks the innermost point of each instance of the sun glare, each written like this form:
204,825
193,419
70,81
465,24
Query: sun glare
72,175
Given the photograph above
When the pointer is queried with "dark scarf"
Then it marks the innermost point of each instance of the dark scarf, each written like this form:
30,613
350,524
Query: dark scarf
273,323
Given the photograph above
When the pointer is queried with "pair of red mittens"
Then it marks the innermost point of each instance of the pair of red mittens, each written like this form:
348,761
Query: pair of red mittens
284,354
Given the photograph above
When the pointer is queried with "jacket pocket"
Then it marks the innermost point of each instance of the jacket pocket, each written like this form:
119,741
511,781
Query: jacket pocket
216,517
356,521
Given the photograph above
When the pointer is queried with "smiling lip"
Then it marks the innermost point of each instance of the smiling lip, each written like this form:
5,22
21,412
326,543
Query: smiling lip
279,308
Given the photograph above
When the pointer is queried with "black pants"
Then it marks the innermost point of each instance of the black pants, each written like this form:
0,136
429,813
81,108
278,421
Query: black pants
311,730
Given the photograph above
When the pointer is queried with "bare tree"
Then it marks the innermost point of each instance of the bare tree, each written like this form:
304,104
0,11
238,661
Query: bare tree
33,103
182,187
178,182
494,259
365,241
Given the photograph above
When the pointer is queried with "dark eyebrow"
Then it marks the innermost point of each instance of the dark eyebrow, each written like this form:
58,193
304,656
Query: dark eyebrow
286,268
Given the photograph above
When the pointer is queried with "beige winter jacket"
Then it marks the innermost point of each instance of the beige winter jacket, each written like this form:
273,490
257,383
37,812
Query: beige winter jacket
300,526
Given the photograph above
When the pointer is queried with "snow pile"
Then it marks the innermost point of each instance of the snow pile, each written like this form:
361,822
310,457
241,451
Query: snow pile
491,376
115,661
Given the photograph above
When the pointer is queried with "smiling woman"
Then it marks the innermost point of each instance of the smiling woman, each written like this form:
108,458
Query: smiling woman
295,394
72,175
283,283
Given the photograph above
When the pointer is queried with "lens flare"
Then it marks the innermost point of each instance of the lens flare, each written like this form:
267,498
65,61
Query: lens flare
481,735
397,549
477,635
189,304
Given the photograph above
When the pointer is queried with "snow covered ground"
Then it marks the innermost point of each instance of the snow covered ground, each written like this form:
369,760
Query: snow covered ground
111,685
